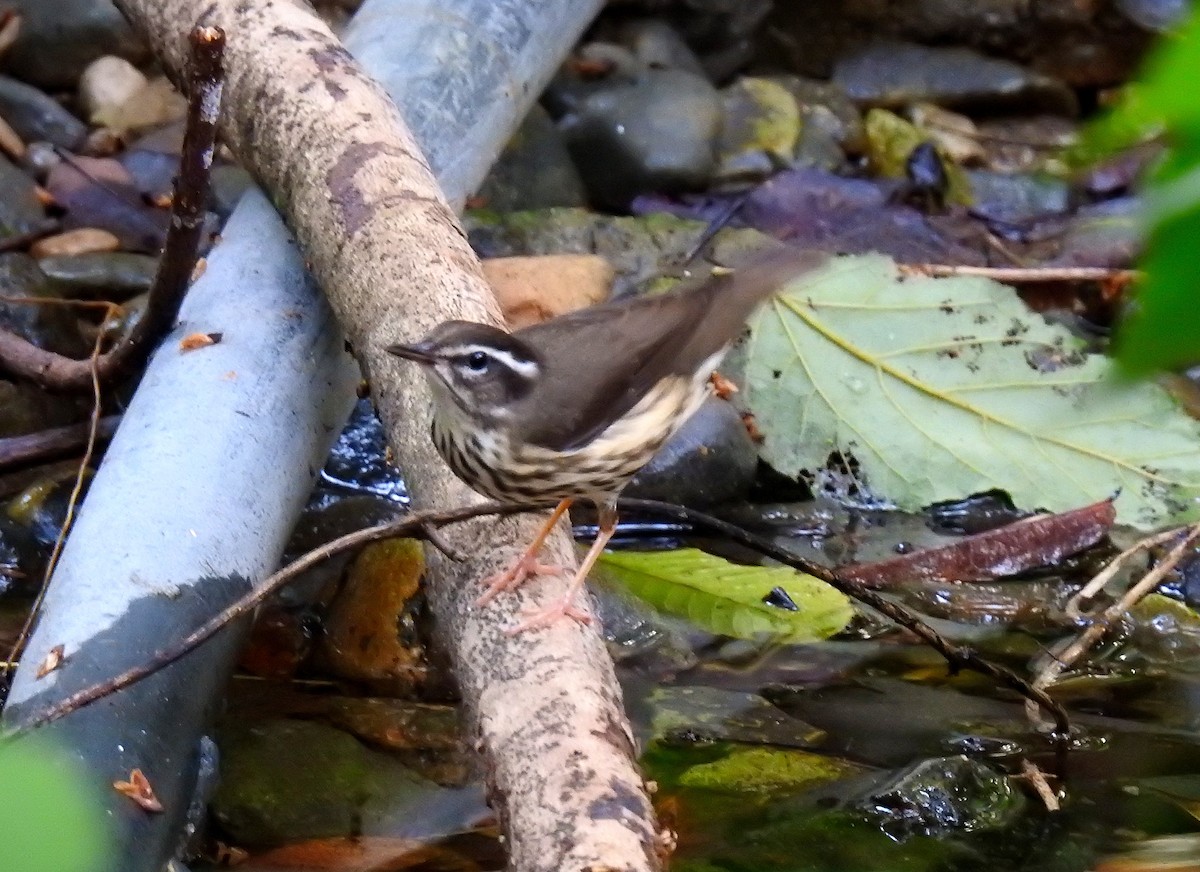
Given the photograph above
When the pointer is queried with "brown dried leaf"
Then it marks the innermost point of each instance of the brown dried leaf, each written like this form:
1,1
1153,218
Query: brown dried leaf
1007,550
53,660
139,790
722,386
199,340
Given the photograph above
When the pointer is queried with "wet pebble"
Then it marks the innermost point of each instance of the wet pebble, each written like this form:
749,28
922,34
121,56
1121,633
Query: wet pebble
760,130
114,275
84,240
107,85
1017,199
51,327
657,45
35,115
59,38
21,209
534,171
655,134
711,460
894,74
290,780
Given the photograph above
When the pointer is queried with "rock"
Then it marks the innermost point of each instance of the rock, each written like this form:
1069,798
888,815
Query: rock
21,208
154,104
711,460
59,38
812,95
760,129
895,74
940,796
370,634
228,183
36,116
956,136
51,327
656,134
40,158
533,289
286,781
657,45
1083,44
534,171
108,84
1107,234
115,275
820,142
85,240
28,408
1017,199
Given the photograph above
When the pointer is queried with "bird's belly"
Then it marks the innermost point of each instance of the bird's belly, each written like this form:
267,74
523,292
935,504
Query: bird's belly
498,468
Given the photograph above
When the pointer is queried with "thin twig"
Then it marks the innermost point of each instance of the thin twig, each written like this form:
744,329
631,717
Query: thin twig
1066,657
180,247
419,524
73,501
410,525
16,451
958,656
1023,275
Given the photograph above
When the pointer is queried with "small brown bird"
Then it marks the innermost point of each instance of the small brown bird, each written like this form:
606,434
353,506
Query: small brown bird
572,408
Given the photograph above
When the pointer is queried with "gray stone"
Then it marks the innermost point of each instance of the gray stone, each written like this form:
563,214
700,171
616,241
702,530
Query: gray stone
51,327
711,460
228,183
20,209
534,171
35,115
895,74
59,38
659,46
115,275
1013,198
656,134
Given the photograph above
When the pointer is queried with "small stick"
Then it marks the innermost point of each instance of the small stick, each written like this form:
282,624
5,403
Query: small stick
419,523
1023,274
16,451
178,261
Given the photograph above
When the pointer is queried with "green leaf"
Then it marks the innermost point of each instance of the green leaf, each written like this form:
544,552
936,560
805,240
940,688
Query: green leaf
1162,330
53,819
941,388
727,598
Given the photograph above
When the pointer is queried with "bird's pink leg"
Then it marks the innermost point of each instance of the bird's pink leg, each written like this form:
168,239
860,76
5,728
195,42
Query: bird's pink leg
564,606
526,565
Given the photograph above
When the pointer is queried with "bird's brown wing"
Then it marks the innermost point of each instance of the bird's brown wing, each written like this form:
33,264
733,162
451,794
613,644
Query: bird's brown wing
598,362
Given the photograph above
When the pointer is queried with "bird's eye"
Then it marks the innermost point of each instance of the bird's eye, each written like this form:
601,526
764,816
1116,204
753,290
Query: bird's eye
477,361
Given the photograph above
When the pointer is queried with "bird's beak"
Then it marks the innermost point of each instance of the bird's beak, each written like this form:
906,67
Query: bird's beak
420,352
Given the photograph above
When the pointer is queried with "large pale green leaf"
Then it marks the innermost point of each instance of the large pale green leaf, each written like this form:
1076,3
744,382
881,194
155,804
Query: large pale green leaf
944,387
727,598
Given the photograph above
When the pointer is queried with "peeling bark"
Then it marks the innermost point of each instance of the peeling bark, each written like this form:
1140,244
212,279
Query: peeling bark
341,166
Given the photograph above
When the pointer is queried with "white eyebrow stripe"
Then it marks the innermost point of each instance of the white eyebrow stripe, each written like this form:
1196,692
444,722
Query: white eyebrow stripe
519,365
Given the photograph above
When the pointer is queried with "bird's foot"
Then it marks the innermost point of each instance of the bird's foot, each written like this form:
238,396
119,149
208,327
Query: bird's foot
526,566
560,608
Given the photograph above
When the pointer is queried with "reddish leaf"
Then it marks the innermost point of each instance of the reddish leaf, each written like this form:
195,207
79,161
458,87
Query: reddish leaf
139,790
1008,550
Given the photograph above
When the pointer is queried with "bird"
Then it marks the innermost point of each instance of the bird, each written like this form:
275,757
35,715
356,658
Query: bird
571,408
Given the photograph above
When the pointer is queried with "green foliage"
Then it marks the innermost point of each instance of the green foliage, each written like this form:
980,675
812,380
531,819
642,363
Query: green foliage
52,819
1163,331
727,598
941,388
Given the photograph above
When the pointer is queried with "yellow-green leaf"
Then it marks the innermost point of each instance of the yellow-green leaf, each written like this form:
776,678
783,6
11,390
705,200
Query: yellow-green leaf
728,598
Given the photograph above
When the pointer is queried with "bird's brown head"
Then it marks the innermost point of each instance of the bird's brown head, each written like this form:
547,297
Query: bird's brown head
475,370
